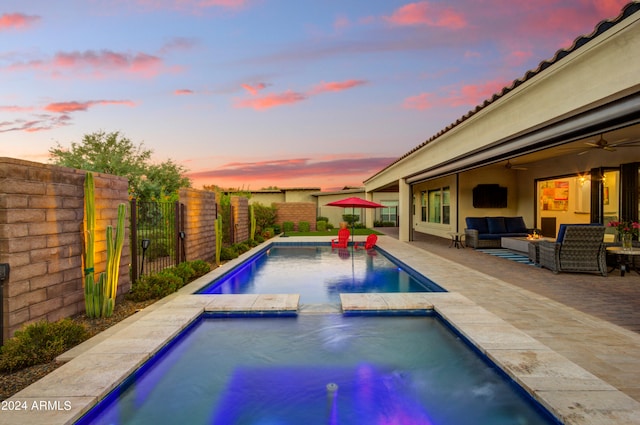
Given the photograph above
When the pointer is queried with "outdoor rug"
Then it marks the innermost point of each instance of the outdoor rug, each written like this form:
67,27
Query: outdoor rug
507,254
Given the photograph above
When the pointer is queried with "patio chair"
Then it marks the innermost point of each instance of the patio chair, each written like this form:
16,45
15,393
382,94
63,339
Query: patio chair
369,243
343,239
578,248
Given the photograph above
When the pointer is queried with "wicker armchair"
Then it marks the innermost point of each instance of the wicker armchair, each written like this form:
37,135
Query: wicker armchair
579,248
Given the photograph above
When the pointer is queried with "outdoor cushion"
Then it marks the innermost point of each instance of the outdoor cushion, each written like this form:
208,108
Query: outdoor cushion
477,223
515,225
496,225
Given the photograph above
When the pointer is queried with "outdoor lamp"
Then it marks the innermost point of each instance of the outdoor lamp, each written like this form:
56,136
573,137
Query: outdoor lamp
145,246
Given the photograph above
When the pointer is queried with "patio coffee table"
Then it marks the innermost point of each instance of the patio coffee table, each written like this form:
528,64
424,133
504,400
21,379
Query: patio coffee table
624,258
523,244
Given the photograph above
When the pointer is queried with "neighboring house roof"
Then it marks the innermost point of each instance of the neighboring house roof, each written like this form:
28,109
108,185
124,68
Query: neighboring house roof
603,26
340,192
285,189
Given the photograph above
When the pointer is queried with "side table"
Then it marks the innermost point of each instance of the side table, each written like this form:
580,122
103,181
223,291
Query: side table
456,239
624,258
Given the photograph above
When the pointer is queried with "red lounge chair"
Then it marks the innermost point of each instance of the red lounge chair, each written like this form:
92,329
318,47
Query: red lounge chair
343,239
370,242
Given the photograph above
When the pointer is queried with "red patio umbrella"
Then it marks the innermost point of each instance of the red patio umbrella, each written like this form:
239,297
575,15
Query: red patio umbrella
354,202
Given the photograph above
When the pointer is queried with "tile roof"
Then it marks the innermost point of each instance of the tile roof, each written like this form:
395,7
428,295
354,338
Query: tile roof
603,26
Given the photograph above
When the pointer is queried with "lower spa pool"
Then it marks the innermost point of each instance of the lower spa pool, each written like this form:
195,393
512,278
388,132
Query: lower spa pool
318,369
319,274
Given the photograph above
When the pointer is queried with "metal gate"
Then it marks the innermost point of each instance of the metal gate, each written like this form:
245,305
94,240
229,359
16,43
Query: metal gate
157,236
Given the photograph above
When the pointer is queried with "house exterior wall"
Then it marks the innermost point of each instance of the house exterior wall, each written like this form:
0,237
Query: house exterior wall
41,238
266,199
599,72
603,70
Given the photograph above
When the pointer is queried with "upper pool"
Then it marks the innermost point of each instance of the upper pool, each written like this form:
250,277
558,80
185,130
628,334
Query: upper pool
319,274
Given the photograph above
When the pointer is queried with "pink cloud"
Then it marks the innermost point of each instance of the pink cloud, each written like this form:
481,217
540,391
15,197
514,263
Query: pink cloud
336,86
425,13
191,5
341,22
97,62
41,123
420,102
140,63
293,172
254,89
16,20
272,100
181,92
466,95
14,108
66,107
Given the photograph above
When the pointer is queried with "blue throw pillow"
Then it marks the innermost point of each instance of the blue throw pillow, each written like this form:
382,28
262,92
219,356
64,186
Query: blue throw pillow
477,223
515,225
496,225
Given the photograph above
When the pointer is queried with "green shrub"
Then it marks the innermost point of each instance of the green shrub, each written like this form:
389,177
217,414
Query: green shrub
330,226
268,233
241,248
287,226
228,253
200,268
40,342
350,218
265,216
184,271
259,239
304,226
321,226
253,242
155,286
276,229
321,218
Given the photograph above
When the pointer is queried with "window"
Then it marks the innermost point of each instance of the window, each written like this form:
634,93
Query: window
389,212
436,205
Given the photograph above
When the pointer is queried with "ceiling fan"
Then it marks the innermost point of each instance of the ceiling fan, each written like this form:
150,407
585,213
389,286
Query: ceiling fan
603,144
510,166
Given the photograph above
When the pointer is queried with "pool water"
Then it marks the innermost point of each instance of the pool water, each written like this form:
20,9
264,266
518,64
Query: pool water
319,274
319,369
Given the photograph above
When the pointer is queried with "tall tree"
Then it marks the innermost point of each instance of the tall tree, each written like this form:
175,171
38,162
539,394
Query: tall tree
112,153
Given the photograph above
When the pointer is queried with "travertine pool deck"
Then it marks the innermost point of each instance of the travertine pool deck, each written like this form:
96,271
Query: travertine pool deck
583,369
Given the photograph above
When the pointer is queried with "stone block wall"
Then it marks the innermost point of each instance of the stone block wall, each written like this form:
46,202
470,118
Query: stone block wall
296,212
41,226
201,213
240,218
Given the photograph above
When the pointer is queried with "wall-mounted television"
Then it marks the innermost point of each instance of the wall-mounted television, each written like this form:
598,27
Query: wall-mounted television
489,196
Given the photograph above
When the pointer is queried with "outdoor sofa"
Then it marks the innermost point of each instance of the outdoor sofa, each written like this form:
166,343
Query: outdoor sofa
486,232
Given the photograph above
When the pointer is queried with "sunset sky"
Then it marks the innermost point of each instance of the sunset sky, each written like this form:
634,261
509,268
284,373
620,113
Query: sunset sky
256,93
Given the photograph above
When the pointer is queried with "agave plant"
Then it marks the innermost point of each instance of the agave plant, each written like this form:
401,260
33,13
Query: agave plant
100,295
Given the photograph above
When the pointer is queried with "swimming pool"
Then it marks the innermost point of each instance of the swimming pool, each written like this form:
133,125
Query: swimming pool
319,274
318,369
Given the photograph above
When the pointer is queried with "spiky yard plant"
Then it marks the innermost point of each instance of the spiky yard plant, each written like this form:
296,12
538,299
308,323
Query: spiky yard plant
99,296
218,228
252,218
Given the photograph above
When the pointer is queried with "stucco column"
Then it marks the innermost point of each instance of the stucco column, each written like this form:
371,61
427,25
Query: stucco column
369,213
404,210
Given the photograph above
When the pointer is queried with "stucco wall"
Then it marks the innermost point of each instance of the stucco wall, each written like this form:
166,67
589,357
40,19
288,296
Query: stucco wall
41,238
